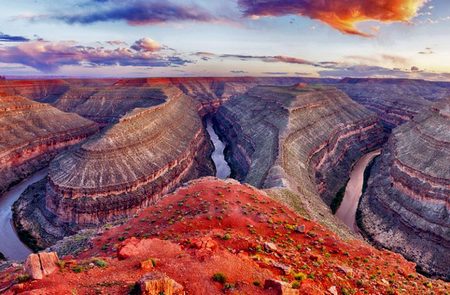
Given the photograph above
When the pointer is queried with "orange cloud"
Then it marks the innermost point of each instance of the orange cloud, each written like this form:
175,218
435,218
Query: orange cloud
342,15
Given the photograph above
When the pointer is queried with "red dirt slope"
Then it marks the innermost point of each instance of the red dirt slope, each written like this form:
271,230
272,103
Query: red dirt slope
212,226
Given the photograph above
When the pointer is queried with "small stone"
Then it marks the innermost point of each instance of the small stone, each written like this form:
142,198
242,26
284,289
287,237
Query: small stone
270,247
281,288
333,290
147,264
300,228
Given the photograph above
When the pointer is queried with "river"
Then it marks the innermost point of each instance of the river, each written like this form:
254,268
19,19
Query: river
10,244
222,168
347,210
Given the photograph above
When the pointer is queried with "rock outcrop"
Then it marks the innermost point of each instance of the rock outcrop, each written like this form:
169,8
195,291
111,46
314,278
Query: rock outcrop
37,266
407,203
302,137
131,164
32,133
156,283
396,101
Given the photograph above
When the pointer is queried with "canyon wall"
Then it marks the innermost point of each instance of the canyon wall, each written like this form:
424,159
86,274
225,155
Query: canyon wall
302,137
395,101
32,133
130,165
407,202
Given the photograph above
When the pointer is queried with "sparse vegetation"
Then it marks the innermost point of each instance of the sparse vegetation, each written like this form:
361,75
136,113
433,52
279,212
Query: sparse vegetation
219,277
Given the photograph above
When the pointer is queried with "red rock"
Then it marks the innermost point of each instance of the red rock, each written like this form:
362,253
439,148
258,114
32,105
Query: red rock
206,243
42,264
282,288
156,283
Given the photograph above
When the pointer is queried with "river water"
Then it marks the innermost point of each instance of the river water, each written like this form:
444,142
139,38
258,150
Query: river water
347,210
10,244
222,168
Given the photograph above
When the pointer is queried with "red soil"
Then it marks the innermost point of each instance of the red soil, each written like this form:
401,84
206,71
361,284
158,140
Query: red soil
213,226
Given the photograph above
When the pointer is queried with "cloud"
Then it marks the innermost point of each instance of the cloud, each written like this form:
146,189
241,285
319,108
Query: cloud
9,38
427,51
275,73
238,72
146,44
116,42
269,58
134,12
363,71
379,59
50,56
341,15
415,69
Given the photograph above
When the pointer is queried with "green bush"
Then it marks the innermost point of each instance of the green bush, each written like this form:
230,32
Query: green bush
219,277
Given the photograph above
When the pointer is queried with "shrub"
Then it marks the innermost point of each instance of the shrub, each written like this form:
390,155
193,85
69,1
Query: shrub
219,277
23,278
100,263
257,283
295,285
226,236
300,276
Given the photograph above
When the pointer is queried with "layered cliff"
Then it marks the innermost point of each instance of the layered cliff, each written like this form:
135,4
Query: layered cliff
39,90
406,206
302,137
107,104
131,164
32,133
396,101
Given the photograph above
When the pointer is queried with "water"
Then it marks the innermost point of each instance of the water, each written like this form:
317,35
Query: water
10,244
223,170
353,191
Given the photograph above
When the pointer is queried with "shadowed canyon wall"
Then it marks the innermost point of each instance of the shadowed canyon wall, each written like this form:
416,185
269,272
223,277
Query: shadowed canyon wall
302,137
406,206
32,133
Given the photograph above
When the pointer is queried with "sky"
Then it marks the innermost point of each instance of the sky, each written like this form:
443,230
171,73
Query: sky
311,38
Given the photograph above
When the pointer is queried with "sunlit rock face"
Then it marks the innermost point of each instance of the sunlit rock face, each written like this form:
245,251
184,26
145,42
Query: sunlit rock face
130,165
396,101
302,137
406,207
32,133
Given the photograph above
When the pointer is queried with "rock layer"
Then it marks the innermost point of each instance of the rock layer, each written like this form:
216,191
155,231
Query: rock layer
131,164
302,137
407,203
31,134
396,101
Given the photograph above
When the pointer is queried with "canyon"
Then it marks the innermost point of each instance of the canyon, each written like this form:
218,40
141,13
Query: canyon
126,167
136,141
406,205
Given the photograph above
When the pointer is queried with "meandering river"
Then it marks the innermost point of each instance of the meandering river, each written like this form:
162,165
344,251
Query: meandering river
10,244
347,210
222,168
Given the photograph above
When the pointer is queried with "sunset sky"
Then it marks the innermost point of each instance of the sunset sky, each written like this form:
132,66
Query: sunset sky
328,38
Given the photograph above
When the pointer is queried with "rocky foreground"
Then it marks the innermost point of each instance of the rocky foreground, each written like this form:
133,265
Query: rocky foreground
32,133
211,237
406,206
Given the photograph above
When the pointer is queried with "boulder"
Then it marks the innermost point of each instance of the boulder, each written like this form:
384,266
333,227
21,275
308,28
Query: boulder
42,264
282,288
155,283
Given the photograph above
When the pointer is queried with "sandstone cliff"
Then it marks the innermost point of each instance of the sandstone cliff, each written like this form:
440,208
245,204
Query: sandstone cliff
302,137
395,101
31,134
131,164
407,203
